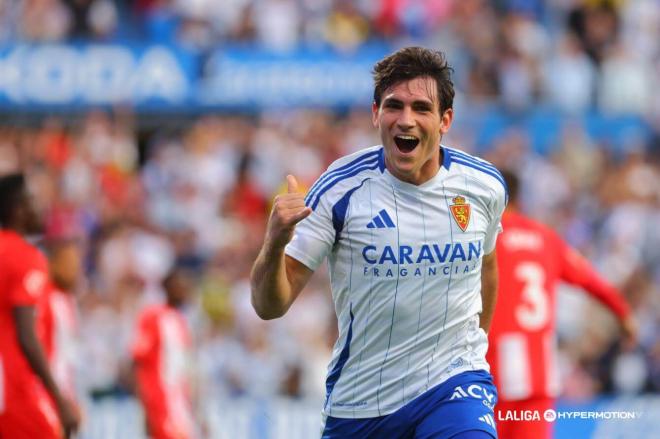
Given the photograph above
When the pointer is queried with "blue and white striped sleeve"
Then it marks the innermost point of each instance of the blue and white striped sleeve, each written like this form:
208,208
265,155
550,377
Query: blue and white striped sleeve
315,236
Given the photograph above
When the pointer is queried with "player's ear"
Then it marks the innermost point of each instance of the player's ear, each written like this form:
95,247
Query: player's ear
446,119
374,113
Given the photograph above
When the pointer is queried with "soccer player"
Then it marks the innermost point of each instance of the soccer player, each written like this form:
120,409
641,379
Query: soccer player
61,326
409,230
30,400
532,259
161,351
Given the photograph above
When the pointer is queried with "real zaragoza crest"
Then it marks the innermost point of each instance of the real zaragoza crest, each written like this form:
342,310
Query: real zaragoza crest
460,210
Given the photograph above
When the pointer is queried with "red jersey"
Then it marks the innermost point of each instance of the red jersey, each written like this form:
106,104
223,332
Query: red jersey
24,402
161,351
531,260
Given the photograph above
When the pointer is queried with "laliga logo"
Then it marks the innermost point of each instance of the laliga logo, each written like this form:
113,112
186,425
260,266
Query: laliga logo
34,281
550,415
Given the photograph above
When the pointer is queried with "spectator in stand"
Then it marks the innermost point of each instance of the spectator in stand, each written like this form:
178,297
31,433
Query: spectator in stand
61,321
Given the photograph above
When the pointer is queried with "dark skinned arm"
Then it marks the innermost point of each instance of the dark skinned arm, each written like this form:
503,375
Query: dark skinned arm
36,358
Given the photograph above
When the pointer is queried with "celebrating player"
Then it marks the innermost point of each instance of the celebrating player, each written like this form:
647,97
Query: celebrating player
160,352
409,230
30,400
532,259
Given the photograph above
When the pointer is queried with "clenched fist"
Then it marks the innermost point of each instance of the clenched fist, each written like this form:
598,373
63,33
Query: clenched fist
288,210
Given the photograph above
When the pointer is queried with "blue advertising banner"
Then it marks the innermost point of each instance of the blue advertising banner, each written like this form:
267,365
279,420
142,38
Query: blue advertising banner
74,76
608,418
169,78
304,78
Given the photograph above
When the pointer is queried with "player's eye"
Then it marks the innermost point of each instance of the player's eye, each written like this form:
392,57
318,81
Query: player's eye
422,108
395,105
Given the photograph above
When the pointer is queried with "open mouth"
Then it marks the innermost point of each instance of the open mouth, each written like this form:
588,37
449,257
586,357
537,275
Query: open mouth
406,143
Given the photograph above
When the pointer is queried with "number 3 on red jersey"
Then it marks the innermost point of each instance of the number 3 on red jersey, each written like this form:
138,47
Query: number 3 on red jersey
534,311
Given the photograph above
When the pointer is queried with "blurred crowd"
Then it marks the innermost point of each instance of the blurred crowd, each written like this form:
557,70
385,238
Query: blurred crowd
197,193
199,197
572,54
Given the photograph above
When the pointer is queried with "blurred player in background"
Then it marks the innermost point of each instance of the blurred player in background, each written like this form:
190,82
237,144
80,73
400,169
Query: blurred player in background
409,230
161,354
532,259
61,323
30,399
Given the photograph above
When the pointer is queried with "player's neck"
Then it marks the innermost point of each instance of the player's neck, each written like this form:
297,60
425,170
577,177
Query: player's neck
426,172
175,304
12,228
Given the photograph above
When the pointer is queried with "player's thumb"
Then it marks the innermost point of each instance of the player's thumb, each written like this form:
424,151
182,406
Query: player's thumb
292,184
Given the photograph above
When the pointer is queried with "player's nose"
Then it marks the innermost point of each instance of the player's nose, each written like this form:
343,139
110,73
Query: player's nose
406,120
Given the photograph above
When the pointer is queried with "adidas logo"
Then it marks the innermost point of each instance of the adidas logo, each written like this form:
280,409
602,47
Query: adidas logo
488,419
381,221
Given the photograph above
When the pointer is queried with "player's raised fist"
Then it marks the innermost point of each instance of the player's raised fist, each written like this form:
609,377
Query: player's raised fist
288,210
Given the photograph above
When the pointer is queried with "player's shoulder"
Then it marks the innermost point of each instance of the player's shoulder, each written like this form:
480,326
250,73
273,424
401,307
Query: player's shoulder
151,312
20,253
482,171
345,173
363,155
521,230
525,222
13,242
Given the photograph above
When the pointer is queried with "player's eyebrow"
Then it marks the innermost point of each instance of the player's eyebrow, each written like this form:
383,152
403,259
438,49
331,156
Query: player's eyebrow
391,101
418,104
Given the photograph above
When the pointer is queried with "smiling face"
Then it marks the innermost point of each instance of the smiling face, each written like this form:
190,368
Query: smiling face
411,126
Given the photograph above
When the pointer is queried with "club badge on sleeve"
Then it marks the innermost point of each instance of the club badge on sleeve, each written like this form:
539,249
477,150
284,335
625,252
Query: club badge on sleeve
460,210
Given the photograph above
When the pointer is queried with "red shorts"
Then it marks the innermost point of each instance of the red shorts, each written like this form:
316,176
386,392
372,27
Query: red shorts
524,419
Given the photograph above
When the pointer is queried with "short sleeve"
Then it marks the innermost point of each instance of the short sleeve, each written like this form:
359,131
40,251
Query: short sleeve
29,281
495,227
313,237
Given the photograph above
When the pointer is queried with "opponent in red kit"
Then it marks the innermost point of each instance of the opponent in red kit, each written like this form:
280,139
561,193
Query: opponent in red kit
161,354
532,259
30,400
60,318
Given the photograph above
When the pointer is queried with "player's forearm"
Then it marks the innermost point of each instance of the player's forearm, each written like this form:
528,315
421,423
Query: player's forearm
489,280
607,295
271,291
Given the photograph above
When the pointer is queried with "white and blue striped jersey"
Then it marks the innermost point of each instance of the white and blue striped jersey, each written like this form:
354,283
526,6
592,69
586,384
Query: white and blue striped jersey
405,274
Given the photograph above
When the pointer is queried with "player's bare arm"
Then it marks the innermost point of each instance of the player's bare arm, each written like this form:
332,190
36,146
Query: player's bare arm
488,289
24,321
629,330
277,279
